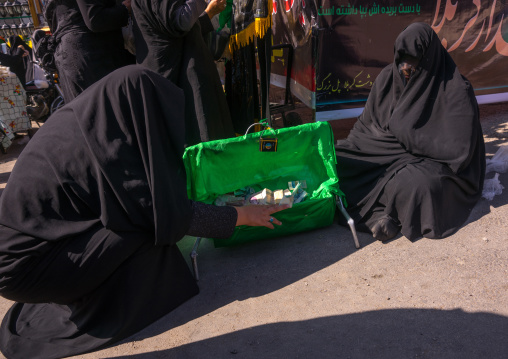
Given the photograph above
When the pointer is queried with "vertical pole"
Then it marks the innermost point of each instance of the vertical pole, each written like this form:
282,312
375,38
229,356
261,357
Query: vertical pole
34,6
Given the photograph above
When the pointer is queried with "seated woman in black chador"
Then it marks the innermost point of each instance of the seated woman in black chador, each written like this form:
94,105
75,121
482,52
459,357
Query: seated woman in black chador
90,218
415,160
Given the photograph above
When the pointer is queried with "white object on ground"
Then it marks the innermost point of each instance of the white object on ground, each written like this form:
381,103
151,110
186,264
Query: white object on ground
498,162
492,187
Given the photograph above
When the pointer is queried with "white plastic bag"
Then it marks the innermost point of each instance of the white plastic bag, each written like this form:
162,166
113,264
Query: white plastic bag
492,187
498,162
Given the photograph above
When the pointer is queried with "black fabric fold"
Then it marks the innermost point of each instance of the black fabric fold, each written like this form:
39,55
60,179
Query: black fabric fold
123,165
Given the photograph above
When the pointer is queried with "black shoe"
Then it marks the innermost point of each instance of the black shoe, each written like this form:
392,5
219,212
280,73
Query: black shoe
385,229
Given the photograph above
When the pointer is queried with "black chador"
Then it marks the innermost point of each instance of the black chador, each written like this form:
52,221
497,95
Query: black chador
90,217
415,159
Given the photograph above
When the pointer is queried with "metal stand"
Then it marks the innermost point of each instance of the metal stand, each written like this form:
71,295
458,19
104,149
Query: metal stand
340,206
194,258
350,221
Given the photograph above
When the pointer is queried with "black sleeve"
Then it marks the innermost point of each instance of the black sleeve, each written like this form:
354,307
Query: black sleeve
205,23
188,14
211,221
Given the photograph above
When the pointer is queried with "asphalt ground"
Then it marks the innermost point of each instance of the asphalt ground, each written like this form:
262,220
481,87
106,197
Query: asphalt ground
314,295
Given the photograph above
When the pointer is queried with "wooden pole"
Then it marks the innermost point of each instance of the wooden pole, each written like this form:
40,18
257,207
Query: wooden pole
35,7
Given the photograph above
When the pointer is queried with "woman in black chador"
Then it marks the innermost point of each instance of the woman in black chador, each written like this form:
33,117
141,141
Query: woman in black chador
415,159
89,41
169,41
18,59
90,218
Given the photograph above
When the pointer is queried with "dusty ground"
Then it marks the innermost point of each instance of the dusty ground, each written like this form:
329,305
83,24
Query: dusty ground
313,295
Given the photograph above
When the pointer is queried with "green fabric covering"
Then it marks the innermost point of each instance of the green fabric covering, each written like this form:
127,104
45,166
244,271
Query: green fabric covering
304,152
225,15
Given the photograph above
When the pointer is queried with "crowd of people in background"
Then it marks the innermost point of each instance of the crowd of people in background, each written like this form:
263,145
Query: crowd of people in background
169,41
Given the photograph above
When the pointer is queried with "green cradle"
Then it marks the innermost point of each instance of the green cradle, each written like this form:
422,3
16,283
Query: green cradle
304,152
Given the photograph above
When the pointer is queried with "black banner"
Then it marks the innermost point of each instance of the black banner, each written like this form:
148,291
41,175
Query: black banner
341,46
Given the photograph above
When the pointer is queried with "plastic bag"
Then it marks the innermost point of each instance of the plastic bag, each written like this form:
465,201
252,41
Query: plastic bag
492,187
39,75
499,162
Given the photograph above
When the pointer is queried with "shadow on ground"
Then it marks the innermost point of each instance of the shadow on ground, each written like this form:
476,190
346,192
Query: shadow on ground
258,268
390,334
384,334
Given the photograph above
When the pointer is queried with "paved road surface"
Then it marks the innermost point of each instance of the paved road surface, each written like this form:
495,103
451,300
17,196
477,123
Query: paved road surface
313,295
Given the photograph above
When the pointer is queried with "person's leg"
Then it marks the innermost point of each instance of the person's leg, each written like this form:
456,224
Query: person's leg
424,199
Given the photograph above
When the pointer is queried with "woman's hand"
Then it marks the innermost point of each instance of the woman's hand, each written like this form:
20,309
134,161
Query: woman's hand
25,51
259,215
215,7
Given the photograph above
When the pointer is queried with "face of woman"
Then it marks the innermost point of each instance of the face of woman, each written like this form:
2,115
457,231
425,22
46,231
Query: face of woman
407,68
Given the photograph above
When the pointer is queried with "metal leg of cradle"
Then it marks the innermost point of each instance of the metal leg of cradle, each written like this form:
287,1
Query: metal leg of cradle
350,221
194,258
340,205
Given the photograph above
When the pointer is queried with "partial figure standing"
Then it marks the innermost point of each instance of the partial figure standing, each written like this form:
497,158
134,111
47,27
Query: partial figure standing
415,159
169,41
89,41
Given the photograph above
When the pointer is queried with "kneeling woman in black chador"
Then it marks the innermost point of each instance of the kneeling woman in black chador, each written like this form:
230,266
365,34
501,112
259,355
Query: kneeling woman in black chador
90,217
415,160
